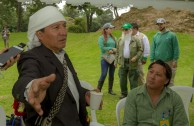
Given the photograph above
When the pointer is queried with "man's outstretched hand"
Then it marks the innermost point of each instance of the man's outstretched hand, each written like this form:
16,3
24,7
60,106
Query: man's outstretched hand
37,92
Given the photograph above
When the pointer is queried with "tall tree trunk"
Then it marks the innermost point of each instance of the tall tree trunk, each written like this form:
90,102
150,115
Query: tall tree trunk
88,22
19,13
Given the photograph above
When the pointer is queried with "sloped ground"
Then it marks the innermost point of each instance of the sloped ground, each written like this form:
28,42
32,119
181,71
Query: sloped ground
177,20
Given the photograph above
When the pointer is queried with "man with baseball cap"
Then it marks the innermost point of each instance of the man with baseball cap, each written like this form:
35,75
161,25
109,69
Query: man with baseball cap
129,51
165,47
160,21
48,84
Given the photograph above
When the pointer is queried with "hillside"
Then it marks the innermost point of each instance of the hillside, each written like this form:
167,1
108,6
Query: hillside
178,20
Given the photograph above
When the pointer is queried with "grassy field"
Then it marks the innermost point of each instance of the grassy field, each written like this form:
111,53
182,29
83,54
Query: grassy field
84,52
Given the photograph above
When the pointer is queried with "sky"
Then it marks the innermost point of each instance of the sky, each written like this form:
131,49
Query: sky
120,11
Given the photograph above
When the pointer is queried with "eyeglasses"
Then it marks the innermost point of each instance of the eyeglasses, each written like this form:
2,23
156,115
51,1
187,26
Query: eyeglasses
125,29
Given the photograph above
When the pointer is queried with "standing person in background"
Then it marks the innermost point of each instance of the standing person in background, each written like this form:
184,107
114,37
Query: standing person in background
129,51
107,44
146,51
165,47
5,36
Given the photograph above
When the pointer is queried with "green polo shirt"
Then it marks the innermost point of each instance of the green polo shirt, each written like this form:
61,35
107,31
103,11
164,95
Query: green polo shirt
139,110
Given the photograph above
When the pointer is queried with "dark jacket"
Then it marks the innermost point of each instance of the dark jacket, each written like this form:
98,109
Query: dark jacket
40,62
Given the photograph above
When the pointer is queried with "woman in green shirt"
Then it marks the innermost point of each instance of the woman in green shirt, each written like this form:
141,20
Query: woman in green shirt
107,45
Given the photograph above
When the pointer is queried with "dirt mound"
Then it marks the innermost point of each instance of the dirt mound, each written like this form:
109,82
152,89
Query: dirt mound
177,20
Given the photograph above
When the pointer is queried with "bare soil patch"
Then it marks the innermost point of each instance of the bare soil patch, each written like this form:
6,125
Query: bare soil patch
177,20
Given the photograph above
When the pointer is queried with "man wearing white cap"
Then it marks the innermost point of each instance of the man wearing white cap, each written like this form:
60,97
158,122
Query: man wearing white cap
48,84
165,47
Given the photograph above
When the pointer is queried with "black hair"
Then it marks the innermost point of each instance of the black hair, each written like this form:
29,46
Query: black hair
135,25
42,30
167,68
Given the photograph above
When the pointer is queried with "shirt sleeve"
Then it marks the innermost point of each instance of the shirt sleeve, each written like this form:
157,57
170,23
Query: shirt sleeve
146,46
175,48
27,90
152,53
130,113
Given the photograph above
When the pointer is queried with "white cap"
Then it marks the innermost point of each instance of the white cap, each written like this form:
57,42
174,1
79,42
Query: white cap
160,21
108,25
41,19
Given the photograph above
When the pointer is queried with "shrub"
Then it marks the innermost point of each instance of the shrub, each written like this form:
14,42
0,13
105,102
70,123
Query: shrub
75,29
95,26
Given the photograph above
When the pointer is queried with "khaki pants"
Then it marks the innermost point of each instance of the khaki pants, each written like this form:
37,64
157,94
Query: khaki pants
6,42
173,73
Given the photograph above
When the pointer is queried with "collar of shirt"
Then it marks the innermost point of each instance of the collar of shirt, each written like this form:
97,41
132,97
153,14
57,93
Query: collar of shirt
143,90
60,55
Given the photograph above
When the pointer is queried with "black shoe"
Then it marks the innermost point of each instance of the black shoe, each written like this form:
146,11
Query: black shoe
111,92
122,96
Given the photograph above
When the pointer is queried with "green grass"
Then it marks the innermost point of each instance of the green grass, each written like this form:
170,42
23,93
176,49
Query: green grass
84,53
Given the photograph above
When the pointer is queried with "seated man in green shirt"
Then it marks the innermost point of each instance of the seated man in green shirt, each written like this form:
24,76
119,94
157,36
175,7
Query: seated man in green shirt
155,104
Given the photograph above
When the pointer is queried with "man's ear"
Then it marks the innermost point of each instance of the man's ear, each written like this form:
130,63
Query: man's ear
39,35
167,81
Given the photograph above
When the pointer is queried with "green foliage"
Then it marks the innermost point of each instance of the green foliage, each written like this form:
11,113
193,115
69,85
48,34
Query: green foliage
95,26
89,10
75,29
7,15
79,27
13,14
79,21
84,53
69,11
107,16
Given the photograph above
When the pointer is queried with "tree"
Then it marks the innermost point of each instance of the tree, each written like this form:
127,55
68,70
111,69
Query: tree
70,12
115,12
15,6
19,9
89,11
107,16
7,14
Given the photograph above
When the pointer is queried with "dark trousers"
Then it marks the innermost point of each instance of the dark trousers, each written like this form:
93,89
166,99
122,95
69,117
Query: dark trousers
124,73
104,70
